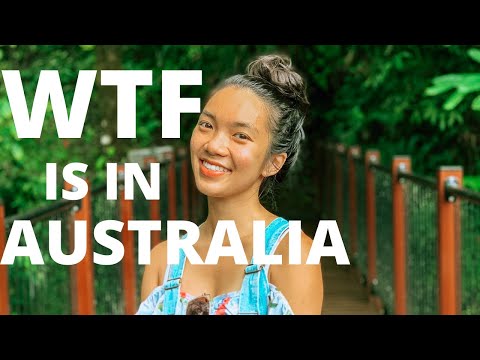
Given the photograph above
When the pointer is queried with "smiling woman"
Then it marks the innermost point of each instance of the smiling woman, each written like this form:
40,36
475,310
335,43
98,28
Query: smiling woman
247,138
230,138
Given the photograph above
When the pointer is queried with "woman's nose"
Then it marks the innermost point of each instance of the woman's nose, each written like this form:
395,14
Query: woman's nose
217,145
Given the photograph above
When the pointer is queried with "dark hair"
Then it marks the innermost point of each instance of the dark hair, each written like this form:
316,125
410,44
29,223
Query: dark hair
272,78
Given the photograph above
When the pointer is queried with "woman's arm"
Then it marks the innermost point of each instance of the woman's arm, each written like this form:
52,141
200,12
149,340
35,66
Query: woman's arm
302,285
153,274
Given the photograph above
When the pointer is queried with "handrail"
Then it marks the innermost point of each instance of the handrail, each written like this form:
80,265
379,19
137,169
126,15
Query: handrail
380,168
422,180
42,212
451,190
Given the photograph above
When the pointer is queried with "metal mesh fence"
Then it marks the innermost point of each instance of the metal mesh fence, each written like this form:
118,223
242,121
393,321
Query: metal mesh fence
470,256
383,200
361,259
108,278
422,249
141,211
47,289
42,289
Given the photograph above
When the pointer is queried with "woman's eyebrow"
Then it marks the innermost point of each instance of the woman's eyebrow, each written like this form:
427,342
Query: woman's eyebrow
245,125
236,124
209,114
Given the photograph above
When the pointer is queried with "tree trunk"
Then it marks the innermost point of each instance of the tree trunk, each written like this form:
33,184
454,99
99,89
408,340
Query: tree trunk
108,58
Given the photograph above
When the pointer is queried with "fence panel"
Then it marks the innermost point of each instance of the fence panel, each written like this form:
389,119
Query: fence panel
108,278
422,247
42,289
470,256
141,211
361,259
383,198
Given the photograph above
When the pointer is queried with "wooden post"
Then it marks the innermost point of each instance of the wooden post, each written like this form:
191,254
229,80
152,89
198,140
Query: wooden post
128,261
4,289
172,186
83,285
399,164
353,153
448,241
371,157
339,192
155,213
74,293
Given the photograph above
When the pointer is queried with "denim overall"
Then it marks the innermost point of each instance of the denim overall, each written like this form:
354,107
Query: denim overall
256,297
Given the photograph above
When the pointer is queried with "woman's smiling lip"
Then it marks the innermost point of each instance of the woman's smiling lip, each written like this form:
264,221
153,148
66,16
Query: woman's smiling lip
215,163
212,173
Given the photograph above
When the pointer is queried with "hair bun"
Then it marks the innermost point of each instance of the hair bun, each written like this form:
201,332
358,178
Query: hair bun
277,70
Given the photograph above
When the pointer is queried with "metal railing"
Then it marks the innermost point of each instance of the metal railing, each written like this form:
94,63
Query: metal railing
415,240
88,288
32,288
468,232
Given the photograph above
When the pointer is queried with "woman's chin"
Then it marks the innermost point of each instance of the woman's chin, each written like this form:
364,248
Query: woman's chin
208,191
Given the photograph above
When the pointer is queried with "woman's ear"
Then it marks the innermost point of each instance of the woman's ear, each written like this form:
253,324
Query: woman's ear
274,164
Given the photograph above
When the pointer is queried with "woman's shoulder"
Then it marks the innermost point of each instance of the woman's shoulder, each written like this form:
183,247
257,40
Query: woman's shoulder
279,274
154,272
283,249
301,284
153,304
158,258
277,302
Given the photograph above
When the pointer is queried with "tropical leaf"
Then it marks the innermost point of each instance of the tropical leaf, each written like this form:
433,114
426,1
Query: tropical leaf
476,103
452,79
438,89
474,54
17,152
87,47
469,85
454,99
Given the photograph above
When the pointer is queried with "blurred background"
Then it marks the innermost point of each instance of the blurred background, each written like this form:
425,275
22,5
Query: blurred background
422,102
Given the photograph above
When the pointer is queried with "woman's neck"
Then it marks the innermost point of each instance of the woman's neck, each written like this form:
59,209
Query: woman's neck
243,210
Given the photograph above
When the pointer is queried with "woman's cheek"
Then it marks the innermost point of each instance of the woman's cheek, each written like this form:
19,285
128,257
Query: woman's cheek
195,140
246,158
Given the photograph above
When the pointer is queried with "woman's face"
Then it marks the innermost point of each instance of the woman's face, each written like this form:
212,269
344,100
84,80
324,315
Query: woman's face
229,144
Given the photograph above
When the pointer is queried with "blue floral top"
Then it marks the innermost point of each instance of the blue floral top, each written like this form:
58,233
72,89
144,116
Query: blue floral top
225,304
260,296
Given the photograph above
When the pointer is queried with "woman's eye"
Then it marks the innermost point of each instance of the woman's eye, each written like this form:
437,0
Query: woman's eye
242,136
205,125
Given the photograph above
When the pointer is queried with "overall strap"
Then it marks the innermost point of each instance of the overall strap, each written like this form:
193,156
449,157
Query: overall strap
274,234
254,293
171,284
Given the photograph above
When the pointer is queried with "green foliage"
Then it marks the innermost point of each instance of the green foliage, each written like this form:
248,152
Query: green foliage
463,83
22,165
369,95
374,96
474,54
472,182
421,101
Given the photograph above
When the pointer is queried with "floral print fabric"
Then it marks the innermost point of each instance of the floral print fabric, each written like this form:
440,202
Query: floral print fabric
225,304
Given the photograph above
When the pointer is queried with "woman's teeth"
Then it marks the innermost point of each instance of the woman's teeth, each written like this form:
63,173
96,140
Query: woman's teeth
214,167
